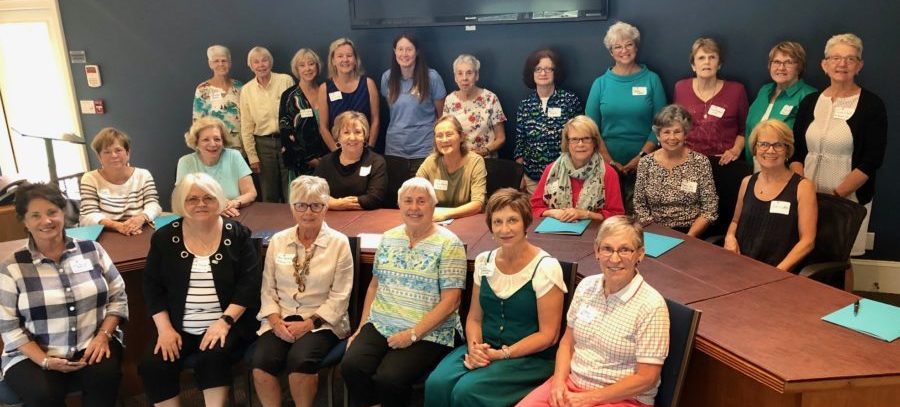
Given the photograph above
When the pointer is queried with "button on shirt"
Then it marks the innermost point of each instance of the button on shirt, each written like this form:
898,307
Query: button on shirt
259,110
614,333
60,306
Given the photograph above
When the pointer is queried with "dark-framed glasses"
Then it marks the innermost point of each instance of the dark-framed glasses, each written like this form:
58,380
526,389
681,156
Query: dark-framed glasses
765,145
316,207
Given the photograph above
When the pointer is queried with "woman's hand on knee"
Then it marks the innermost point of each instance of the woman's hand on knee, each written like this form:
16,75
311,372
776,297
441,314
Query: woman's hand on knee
97,349
215,334
168,344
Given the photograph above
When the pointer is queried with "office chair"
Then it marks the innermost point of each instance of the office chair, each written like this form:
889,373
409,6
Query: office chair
682,328
836,229
502,173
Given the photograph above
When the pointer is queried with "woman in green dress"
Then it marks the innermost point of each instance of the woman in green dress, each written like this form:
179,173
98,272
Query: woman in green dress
513,322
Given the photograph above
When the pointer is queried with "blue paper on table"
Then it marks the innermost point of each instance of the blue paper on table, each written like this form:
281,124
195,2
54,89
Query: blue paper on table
91,232
558,227
265,235
163,220
656,245
874,319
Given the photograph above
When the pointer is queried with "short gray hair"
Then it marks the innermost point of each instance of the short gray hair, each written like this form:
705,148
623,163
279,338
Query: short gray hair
200,180
307,187
467,59
420,184
259,50
619,224
621,31
670,115
214,50
846,39
304,53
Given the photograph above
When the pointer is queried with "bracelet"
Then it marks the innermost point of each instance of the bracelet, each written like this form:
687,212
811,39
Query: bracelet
107,333
505,350
46,363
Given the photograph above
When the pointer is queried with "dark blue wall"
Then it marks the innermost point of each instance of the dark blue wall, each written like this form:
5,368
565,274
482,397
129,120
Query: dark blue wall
152,55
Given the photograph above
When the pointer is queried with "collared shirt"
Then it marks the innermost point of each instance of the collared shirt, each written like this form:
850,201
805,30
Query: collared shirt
410,281
783,108
676,197
60,306
328,284
259,109
539,129
101,199
614,333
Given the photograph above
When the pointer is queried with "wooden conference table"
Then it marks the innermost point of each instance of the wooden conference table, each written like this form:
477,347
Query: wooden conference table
761,341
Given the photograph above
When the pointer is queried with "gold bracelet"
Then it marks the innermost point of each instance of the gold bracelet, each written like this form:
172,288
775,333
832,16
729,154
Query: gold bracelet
105,332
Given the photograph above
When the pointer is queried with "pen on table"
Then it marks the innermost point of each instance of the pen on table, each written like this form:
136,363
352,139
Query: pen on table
856,308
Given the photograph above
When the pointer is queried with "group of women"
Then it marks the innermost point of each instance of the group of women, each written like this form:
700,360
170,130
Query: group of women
63,299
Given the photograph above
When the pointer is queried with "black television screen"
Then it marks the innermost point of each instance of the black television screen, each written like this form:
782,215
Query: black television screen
415,13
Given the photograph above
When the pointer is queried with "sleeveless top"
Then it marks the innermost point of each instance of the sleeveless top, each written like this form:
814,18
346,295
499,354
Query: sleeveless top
762,232
505,322
357,101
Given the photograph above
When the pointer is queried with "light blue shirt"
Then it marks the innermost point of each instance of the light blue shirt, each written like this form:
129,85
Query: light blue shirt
228,171
410,133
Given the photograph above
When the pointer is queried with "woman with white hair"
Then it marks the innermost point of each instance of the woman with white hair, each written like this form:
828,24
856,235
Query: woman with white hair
306,287
842,131
409,316
201,278
226,166
259,124
477,109
220,96
623,102
347,89
298,117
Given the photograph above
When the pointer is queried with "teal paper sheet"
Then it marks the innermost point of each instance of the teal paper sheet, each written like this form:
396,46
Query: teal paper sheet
555,226
875,319
163,220
91,232
656,245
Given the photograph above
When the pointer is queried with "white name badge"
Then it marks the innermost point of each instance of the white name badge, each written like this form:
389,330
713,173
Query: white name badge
554,112
780,207
587,313
217,95
103,192
336,95
441,184
786,110
81,265
284,259
843,113
638,91
486,270
305,113
689,186
365,171
717,111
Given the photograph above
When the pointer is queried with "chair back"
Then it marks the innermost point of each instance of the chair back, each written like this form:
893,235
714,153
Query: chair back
397,173
358,293
836,229
569,272
502,173
682,328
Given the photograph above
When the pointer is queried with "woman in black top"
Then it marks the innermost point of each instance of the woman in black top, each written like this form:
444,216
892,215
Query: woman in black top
775,216
298,117
356,175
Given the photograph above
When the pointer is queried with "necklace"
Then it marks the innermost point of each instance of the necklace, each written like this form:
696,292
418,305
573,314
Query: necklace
301,270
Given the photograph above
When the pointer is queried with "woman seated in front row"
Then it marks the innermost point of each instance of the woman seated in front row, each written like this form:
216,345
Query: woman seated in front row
513,322
116,195
776,212
459,178
409,316
225,165
306,287
201,278
674,185
356,174
617,336
578,185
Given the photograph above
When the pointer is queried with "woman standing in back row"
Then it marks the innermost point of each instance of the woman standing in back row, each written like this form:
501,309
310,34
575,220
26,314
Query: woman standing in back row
347,89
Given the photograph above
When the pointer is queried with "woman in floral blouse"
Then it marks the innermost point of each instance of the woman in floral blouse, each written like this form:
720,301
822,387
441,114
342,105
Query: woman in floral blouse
477,109
220,95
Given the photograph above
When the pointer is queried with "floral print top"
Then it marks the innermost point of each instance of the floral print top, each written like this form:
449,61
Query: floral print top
539,129
223,104
477,116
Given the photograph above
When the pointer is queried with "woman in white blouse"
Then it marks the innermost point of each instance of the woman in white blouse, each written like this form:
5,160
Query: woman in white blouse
116,195
306,287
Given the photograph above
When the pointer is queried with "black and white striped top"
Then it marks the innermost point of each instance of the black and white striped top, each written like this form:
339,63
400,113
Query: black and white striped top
101,199
201,307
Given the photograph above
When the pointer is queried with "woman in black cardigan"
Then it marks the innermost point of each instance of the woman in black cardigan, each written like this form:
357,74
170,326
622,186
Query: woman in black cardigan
201,286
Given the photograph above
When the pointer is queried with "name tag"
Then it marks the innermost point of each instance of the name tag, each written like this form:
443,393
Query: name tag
336,95
217,95
843,113
689,186
586,314
486,270
441,184
780,207
638,91
786,110
103,192
365,171
554,112
81,265
306,113
717,111
284,259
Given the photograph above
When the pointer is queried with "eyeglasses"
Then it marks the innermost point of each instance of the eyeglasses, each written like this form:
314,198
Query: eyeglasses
606,252
622,47
544,70
777,146
848,59
316,207
785,63
581,140
195,200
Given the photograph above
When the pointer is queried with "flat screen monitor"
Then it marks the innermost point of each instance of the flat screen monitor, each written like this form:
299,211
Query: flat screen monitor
418,13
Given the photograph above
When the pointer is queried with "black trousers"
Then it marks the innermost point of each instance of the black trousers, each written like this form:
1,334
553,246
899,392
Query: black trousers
273,355
375,373
98,383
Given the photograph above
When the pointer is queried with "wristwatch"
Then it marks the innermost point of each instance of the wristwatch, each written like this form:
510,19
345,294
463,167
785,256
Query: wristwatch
317,321
412,335
228,319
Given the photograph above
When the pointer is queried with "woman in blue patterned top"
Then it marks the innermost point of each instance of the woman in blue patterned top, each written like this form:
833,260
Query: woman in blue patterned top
410,310
220,96
542,114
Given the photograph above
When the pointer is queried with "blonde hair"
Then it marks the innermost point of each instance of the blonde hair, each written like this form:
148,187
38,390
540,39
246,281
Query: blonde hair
580,124
201,180
347,118
707,44
784,133
193,135
109,136
332,70
794,51
302,54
